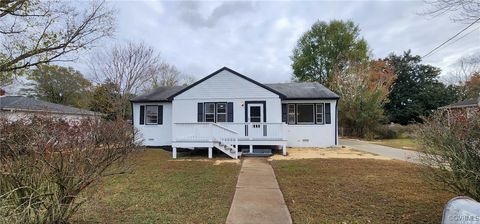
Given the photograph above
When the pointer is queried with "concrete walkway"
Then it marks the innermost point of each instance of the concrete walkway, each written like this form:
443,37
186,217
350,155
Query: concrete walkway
258,198
394,153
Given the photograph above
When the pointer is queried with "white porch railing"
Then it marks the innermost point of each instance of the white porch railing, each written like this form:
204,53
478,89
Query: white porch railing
258,131
227,131
224,138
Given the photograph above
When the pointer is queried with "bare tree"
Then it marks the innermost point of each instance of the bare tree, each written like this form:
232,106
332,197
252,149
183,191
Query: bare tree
188,79
169,75
467,67
34,32
461,10
130,67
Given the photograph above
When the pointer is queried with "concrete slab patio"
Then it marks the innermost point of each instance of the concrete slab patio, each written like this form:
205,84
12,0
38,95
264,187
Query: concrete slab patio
394,153
258,198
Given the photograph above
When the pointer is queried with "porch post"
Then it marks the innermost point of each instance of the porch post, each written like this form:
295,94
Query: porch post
284,149
251,148
174,152
209,152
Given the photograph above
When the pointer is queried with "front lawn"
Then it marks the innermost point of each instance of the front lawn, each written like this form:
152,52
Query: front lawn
163,191
358,191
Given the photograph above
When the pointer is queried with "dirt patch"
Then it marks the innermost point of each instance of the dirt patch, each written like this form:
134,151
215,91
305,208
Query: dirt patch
326,153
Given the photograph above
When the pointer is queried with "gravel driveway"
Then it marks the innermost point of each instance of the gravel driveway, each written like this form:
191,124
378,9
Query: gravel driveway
394,153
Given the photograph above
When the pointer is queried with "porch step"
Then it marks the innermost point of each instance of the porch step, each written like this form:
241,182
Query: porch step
257,152
247,154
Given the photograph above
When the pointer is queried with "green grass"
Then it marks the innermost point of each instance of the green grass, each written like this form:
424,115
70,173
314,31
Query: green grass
401,143
358,191
163,191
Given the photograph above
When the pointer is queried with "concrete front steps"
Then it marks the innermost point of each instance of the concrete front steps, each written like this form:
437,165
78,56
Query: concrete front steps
257,152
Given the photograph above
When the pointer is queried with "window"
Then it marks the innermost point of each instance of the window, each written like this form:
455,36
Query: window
291,113
255,114
221,112
209,112
319,113
305,114
151,115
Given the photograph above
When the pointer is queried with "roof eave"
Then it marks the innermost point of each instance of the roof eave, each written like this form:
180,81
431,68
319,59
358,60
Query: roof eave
312,98
459,106
150,101
90,113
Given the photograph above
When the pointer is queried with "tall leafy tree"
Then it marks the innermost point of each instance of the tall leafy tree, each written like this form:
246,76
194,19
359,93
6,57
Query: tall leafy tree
472,86
60,85
364,91
103,100
327,48
417,91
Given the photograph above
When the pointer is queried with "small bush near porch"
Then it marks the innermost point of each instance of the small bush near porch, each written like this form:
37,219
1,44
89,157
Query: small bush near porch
160,190
358,191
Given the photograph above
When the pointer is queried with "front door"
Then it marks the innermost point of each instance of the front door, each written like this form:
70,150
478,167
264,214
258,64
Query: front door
255,117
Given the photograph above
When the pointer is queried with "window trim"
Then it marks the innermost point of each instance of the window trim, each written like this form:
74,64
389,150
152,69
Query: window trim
209,113
217,113
313,113
145,114
295,105
322,113
294,113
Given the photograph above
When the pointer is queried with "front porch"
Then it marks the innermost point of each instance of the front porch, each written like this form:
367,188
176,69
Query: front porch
227,137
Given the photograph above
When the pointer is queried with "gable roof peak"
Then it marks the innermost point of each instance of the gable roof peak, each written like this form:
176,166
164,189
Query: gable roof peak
224,68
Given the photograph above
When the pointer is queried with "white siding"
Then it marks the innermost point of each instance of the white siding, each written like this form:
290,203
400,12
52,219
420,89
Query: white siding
154,135
226,85
185,111
313,135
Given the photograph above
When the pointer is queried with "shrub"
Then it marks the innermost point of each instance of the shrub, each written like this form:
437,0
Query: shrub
46,164
453,152
392,131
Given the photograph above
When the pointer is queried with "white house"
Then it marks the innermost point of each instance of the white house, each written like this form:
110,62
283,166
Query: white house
13,108
235,114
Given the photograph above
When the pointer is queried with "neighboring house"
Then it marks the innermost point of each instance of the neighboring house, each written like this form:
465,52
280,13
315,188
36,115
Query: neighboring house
463,110
233,113
18,107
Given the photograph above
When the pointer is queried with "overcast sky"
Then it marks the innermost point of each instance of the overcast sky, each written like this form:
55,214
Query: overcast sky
257,38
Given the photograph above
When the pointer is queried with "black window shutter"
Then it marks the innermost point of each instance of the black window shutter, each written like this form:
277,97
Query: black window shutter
160,115
230,112
284,113
328,117
200,112
142,114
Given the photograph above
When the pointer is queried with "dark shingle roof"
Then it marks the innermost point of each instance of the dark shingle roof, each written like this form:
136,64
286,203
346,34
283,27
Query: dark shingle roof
474,102
21,103
158,94
304,90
